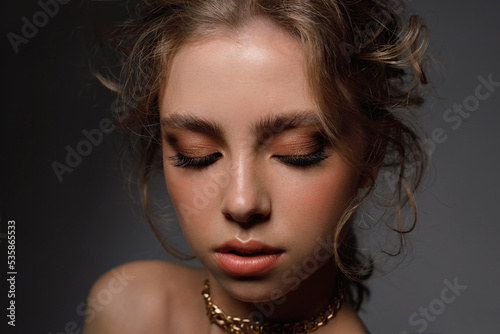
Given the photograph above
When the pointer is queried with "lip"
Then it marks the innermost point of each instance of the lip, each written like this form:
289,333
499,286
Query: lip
251,258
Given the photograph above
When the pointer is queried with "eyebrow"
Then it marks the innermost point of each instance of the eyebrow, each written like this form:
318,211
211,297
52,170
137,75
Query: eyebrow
275,124
264,128
193,123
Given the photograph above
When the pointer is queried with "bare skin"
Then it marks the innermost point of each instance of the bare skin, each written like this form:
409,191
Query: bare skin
165,297
286,189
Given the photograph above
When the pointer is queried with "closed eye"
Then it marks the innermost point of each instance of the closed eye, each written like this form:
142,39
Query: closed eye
182,161
304,160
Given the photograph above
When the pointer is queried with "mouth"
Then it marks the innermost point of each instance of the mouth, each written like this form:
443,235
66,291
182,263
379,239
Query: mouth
252,258
245,254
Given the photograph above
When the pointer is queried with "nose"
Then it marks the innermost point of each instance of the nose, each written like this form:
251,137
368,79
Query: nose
246,199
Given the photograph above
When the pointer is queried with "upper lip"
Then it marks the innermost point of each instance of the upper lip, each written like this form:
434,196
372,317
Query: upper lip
249,247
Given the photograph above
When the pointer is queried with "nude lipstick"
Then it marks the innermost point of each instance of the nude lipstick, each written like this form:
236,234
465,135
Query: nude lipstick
251,258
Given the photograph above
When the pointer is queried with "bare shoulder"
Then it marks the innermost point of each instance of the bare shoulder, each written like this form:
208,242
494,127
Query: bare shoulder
138,297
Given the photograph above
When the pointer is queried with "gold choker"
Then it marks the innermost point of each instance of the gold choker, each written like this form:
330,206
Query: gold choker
245,326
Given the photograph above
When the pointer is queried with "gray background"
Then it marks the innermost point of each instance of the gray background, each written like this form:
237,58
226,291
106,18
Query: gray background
70,232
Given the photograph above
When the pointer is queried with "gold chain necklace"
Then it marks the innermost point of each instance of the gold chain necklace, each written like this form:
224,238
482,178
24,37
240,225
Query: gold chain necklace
245,326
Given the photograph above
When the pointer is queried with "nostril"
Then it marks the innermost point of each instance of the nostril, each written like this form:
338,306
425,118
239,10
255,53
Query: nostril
246,200
258,217
249,219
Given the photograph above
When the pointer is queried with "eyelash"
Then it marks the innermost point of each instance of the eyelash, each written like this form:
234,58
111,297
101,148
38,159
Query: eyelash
304,160
183,161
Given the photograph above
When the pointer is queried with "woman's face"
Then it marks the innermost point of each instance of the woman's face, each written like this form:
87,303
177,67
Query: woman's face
257,189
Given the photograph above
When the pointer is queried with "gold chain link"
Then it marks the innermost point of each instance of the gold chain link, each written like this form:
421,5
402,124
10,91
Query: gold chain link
245,326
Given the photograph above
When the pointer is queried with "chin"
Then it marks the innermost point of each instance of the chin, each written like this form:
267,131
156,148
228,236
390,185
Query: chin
256,289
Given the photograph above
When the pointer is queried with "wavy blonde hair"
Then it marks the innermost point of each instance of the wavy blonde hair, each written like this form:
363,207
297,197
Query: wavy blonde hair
365,69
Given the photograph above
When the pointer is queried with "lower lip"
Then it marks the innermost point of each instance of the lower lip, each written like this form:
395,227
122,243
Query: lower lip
247,265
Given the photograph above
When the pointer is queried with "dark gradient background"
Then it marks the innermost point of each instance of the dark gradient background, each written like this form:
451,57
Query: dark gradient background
69,233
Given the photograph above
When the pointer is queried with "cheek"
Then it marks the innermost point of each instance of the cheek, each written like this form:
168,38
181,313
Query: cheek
331,193
194,199
317,203
182,194
189,212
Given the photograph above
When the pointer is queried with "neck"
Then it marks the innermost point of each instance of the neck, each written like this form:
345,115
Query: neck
306,299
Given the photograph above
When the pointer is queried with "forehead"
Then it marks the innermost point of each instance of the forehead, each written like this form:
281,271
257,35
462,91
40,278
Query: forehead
257,70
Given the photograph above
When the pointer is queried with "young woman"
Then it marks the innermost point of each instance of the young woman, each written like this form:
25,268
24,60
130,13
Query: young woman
270,121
